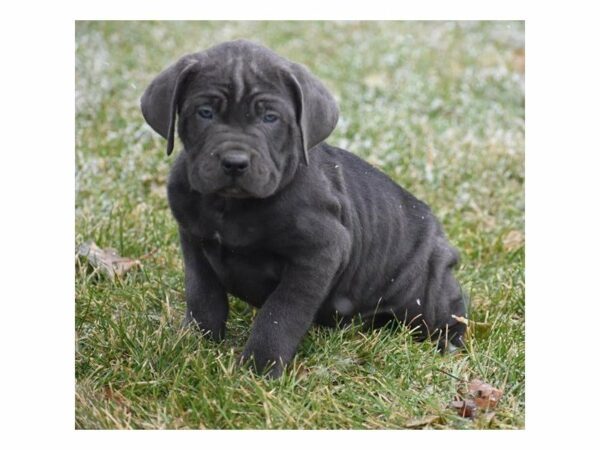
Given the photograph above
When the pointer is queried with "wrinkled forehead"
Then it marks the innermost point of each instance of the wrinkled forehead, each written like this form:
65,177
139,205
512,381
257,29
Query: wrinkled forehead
239,76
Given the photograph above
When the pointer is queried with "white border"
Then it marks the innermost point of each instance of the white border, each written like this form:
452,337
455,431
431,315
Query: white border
38,220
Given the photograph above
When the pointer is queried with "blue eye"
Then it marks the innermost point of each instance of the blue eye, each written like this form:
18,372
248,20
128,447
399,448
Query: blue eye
205,112
270,118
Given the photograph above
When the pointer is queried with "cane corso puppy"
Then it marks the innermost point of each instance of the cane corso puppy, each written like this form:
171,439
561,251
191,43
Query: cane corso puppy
270,213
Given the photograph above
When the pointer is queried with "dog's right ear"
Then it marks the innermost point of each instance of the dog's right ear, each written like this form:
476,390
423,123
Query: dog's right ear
161,99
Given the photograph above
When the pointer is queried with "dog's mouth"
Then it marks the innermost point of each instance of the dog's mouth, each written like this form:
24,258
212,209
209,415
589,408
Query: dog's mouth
208,179
234,192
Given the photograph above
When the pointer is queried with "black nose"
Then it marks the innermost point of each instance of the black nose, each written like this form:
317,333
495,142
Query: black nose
235,162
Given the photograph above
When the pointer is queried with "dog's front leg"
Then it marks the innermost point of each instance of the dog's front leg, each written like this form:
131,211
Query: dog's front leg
287,314
206,299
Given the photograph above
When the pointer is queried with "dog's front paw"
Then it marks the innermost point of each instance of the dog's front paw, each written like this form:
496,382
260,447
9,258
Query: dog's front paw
216,332
262,362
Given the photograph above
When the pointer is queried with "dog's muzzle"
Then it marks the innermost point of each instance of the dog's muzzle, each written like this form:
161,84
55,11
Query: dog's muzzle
235,162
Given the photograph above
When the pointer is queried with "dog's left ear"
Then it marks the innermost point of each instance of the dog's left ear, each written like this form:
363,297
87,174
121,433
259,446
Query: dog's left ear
160,100
316,110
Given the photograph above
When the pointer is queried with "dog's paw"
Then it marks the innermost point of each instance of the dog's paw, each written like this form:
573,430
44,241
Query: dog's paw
215,333
261,363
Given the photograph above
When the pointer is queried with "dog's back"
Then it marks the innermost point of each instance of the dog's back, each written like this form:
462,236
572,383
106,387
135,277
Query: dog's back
401,262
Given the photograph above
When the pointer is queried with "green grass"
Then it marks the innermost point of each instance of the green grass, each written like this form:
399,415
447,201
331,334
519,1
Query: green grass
438,106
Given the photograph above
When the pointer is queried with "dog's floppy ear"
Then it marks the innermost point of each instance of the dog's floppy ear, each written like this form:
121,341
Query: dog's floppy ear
317,112
160,100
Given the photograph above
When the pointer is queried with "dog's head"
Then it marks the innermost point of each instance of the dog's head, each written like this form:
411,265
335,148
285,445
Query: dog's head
247,117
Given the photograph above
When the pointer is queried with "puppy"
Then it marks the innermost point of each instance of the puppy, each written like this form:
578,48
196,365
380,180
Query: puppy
270,213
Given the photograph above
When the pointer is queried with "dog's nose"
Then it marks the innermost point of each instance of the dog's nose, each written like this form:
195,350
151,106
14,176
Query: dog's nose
235,162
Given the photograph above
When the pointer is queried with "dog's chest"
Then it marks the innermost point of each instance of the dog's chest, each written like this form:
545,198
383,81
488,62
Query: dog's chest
241,233
236,251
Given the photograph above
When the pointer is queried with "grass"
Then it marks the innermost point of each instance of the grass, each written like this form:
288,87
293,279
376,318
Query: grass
439,106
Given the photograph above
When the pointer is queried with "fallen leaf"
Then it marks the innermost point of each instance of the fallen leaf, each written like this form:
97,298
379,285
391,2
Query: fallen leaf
422,422
480,396
107,260
465,408
485,395
514,240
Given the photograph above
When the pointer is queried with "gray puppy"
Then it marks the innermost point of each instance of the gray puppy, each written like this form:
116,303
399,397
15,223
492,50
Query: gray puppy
268,212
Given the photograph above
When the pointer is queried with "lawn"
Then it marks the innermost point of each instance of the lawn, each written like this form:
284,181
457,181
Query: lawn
438,106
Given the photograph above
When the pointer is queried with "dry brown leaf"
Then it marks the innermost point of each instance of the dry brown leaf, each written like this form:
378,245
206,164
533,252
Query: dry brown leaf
107,260
480,396
513,240
465,408
485,395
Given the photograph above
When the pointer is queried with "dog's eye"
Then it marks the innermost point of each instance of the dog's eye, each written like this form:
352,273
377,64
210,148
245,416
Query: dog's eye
205,112
270,118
